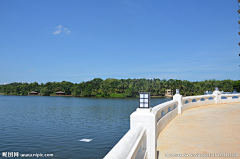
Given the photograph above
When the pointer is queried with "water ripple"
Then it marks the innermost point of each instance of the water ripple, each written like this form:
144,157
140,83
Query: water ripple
54,125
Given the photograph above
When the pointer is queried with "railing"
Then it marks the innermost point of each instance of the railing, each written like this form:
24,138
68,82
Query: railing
192,101
132,142
228,98
165,112
146,124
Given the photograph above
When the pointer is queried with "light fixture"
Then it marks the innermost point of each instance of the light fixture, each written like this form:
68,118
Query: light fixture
177,91
216,88
144,100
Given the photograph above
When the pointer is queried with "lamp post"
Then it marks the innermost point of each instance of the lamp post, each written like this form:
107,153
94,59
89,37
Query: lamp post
144,116
144,100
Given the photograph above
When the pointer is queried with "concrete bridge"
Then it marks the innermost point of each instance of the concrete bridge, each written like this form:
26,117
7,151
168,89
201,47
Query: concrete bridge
186,127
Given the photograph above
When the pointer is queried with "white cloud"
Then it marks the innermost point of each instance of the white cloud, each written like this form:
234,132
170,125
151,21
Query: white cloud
31,71
57,32
4,83
59,29
68,32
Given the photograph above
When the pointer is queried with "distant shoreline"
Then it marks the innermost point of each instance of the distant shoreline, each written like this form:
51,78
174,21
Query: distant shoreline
81,96
119,88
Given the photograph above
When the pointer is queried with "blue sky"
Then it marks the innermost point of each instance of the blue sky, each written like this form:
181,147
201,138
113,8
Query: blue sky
78,40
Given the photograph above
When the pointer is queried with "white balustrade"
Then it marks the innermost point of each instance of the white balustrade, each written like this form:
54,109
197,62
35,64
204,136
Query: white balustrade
208,99
230,98
165,113
132,142
146,124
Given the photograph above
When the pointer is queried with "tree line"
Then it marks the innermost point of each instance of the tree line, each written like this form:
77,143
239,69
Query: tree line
120,87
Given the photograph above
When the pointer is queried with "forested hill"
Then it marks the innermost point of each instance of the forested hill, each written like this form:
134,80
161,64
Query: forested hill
119,88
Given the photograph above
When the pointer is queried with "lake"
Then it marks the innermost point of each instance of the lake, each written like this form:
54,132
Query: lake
54,125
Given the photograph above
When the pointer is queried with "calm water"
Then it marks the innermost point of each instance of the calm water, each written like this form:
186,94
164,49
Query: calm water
54,125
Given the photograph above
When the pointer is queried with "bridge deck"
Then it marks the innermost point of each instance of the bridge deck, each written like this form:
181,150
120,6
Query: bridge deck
205,129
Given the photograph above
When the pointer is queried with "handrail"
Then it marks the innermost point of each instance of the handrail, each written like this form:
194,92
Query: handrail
164,115
199,97
230,95
198,101
162,109
146,124
128,146
164,105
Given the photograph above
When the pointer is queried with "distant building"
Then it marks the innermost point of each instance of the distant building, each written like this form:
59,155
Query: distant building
60,93
33,93
168,93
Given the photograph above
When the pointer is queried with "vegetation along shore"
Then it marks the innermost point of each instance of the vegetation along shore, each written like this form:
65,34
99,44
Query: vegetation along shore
118,87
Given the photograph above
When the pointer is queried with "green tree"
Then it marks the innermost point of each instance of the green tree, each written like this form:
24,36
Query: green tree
128,92
236,85
45,91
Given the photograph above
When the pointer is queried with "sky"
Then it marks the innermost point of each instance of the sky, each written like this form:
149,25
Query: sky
79,40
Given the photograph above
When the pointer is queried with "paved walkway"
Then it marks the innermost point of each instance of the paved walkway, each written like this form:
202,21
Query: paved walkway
201,130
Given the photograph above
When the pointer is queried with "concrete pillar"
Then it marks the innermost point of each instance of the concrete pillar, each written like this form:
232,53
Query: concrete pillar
218,96
145,117
178,97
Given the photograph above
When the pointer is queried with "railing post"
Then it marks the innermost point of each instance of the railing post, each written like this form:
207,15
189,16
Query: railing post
145,117
218,95
178,97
